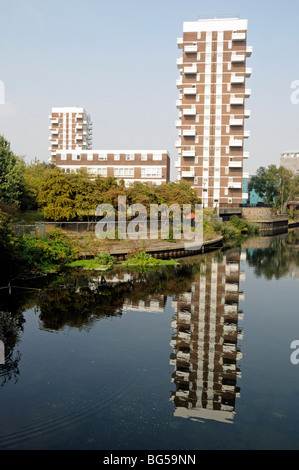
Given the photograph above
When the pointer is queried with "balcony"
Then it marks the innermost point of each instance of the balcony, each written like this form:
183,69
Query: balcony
236,58
237,80
247,93
249,50
189,132
191,49
236,101
234,185
235,143
54,121
188,173
179,62
236,122
239,36
246,155
177,164
178,123
190,91
178,143
54,131
178,103
246,134
188,153
190,70
248,72
179,83
189,112
180,43
247,113
235,164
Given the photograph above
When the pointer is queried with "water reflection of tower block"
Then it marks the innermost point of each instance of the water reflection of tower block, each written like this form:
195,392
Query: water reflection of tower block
206,334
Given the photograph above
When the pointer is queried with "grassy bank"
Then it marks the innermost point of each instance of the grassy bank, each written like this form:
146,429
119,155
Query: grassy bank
60,249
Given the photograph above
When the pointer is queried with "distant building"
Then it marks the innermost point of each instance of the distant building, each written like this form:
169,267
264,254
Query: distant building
211,106
290,161
71,150
71,129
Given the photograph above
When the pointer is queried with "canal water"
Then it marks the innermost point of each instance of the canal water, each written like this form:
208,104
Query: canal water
185,358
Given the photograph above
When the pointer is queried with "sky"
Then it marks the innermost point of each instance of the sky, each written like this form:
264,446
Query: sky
117,59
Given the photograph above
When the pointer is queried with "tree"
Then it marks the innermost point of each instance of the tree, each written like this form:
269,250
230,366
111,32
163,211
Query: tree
277,186
33,175
57,195
11,174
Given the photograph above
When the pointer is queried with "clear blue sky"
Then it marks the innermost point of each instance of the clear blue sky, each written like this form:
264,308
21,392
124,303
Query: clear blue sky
117,59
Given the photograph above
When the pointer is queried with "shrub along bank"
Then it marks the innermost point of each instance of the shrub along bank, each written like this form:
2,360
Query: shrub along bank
57,250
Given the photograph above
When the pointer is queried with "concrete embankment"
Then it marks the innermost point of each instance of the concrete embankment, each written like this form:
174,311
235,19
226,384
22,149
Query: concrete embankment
161,249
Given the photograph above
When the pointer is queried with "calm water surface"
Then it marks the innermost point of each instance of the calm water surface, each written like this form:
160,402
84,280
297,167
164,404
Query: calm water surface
195,357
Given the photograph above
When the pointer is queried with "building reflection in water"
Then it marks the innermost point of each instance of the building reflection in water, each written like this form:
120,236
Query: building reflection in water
205,342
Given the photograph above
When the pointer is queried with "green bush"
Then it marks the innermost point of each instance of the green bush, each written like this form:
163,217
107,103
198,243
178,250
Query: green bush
105,259
47,253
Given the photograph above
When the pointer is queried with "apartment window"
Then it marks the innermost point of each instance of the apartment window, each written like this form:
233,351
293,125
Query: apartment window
151,172
124,171
130,157
195,180
63,156
208,36
116,156
143,157
76,157
89,157
157,156
102,171
230,201
97,171
226,192
102,157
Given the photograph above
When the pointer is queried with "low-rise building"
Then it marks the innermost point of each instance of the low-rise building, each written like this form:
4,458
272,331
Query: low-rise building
146,166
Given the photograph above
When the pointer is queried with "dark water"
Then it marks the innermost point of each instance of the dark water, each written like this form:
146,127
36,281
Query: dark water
195,357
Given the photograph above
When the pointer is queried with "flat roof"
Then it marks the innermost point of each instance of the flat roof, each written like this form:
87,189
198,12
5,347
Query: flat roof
215,24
